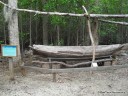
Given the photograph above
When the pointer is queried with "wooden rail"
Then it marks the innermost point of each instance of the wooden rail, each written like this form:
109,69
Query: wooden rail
69,70
74,65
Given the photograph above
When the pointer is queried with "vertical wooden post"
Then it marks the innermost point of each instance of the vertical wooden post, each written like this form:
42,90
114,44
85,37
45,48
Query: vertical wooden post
90,34
11,69
114,60
54,77
50,65
53,74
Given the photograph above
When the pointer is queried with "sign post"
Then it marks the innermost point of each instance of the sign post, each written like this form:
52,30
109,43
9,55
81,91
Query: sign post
10,51
11,68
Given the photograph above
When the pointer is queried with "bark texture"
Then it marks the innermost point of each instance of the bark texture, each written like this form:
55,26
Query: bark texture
75,51
13,27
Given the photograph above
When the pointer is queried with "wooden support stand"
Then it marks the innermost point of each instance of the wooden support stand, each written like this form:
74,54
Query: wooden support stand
114,61
55,63
11,69
54,77
51,66
69,70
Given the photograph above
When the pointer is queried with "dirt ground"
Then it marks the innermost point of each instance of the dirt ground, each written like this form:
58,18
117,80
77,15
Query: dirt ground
98,83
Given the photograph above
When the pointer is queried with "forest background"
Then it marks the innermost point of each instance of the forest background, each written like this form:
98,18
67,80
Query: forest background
66,30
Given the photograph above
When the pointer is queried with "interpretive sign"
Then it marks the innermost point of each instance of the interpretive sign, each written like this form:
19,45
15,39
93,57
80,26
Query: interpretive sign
9,50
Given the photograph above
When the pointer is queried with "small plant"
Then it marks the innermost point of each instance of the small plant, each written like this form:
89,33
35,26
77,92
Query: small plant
1,42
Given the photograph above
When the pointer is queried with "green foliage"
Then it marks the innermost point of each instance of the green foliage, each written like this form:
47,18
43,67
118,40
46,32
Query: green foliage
1,42
24,36
58,20
60,42
71,24
74,6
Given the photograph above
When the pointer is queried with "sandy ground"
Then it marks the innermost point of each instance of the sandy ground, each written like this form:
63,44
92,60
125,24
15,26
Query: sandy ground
98,83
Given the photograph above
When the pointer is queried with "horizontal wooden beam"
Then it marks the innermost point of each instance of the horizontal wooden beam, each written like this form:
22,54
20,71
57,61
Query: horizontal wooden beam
114,22
69,70
109,15
68,14
73,65
43,13
51,13
76,59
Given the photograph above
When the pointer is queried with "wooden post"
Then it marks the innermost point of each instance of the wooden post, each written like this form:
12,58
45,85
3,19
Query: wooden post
10,51
50,65
91,36
54,77
11,69
114,60
53,74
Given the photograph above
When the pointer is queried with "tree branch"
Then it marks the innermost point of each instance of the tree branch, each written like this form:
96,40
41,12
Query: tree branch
91,36
114,22
109,15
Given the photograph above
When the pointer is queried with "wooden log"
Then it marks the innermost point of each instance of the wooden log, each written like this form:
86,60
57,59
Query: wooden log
114,22
69,70
109,15
125,46
75,51
54,64
76,59
74,65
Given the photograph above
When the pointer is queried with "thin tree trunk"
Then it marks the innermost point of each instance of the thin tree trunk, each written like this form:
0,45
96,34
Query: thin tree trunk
36,41
58,35
77,37
40,23
68,34
83,30
45,27
22,40
30,27
45,30
95,31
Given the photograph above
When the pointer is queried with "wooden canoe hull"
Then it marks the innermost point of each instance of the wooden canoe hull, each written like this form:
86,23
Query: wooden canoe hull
75,51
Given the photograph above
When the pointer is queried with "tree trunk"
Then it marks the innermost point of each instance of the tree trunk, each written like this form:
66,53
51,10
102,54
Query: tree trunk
95,31
13,28
87,39
58,34
45,28
77,37
30,28
83,30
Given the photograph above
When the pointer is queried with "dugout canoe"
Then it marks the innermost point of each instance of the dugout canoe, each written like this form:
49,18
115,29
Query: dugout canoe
75,51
